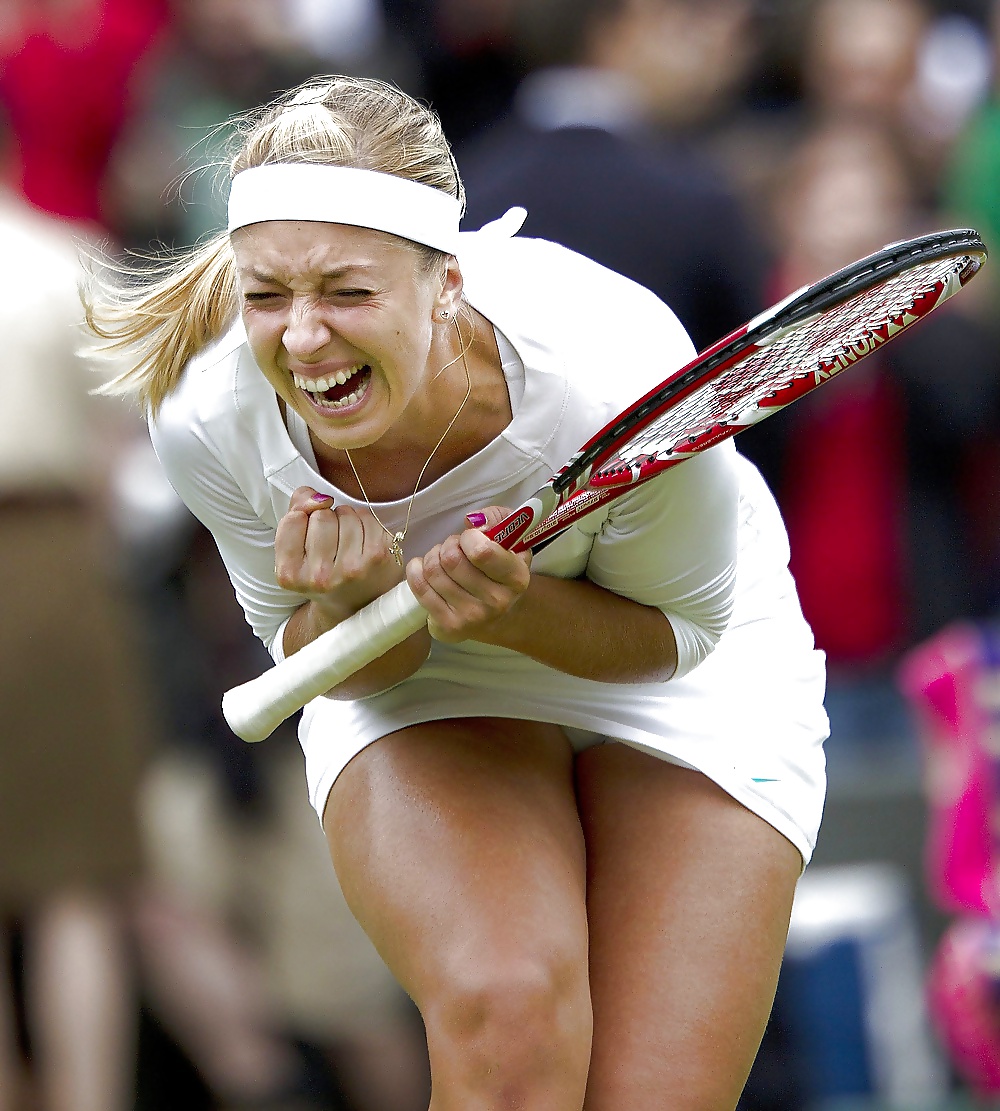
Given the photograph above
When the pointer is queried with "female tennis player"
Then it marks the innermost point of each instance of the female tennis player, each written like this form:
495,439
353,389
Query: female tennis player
570,812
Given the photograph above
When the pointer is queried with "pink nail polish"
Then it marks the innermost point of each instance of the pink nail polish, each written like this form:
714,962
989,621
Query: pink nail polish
477,520
322,497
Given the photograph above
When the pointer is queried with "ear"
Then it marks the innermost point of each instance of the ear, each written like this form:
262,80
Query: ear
449,299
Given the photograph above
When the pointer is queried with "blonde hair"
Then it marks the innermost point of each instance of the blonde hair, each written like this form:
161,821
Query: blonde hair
157,317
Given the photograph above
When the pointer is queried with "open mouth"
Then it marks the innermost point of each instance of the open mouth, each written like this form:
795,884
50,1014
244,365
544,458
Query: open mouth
336,391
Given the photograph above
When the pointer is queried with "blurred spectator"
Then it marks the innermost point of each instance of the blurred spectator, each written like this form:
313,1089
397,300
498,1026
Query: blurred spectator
252,964
877,474
75,728
86,933
907,66
913,67
859,59
464,59
898,63
581,150
220,58
954,75
972,181
69,71
204,985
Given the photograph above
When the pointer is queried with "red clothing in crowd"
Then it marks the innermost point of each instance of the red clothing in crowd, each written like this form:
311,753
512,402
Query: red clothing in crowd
843,497
66,76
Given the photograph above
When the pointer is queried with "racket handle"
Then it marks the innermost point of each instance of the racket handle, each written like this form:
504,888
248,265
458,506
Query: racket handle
256,708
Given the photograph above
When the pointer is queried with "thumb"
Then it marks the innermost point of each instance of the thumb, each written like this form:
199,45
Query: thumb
487,518
305,500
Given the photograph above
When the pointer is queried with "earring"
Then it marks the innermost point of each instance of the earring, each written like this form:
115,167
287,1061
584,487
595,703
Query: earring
445,314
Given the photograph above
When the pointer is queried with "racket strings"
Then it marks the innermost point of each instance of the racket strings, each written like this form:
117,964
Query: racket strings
819,346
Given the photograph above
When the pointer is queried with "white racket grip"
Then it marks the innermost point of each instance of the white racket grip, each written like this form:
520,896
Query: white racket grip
256,708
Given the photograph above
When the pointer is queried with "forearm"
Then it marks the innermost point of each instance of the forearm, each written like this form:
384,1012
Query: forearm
582,629
309,621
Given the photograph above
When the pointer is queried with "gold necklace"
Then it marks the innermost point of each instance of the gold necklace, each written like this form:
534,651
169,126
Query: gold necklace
397,538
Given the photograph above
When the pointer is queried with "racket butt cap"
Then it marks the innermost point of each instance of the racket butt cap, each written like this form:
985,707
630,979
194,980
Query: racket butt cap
249,725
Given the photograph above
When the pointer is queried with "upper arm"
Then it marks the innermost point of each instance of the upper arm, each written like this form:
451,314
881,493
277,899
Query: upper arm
245,542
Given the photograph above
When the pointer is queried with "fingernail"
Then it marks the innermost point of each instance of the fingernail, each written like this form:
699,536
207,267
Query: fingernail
322,497
477,520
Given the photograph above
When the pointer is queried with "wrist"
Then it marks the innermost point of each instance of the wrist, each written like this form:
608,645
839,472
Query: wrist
326,613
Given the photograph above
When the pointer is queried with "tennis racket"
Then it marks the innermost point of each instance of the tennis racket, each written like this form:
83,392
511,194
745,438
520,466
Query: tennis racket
778,357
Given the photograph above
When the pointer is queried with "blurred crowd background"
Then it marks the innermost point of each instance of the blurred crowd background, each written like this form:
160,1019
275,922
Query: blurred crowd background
171,932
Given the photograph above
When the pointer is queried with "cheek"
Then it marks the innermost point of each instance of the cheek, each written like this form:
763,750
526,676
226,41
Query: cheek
264,337
419,336
265,347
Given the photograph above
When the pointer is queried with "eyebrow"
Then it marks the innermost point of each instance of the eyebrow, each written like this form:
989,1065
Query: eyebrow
326,275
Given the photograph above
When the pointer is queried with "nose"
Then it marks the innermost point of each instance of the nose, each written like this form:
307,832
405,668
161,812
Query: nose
305,330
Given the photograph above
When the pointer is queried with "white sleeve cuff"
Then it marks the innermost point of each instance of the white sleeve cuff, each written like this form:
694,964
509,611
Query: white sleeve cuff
277,645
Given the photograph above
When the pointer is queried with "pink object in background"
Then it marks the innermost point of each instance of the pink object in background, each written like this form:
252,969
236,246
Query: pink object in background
964,1000
953,684
944,680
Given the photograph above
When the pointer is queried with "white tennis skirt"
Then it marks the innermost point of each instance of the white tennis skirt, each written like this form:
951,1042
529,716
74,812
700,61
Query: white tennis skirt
750,717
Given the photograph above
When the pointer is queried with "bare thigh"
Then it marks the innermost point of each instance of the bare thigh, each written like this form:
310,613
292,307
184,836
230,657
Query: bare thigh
459,850
689,897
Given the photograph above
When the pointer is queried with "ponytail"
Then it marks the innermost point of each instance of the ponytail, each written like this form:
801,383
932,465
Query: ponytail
157,319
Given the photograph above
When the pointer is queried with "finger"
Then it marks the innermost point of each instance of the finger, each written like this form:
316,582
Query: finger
289,548
339,538
425,594
496,563
290,534
446,576
374,543
472,564
377,541
456,594
483,522
449,571
362,557
305,499
455,613
348,529
338,550
306,550
487,518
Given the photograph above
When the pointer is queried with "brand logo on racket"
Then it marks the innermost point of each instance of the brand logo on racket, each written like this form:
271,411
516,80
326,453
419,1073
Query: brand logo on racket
514,526
851,353
873,338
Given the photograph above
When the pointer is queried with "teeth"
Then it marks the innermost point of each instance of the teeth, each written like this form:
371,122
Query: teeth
349,400
321,385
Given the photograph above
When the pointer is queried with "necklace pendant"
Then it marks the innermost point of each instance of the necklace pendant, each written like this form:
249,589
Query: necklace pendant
396,547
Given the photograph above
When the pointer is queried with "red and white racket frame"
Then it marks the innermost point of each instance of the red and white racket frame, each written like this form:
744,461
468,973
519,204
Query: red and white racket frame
588,474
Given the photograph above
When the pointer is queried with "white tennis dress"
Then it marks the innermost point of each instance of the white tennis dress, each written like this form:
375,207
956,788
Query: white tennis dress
704,542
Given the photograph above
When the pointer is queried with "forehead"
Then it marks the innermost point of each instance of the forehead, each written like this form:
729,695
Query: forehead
289,249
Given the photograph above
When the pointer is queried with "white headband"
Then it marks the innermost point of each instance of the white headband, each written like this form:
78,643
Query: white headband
344,195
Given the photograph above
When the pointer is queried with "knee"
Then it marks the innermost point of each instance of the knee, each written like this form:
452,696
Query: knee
514,1027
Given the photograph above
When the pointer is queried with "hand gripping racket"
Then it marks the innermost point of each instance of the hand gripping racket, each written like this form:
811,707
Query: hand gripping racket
778,357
